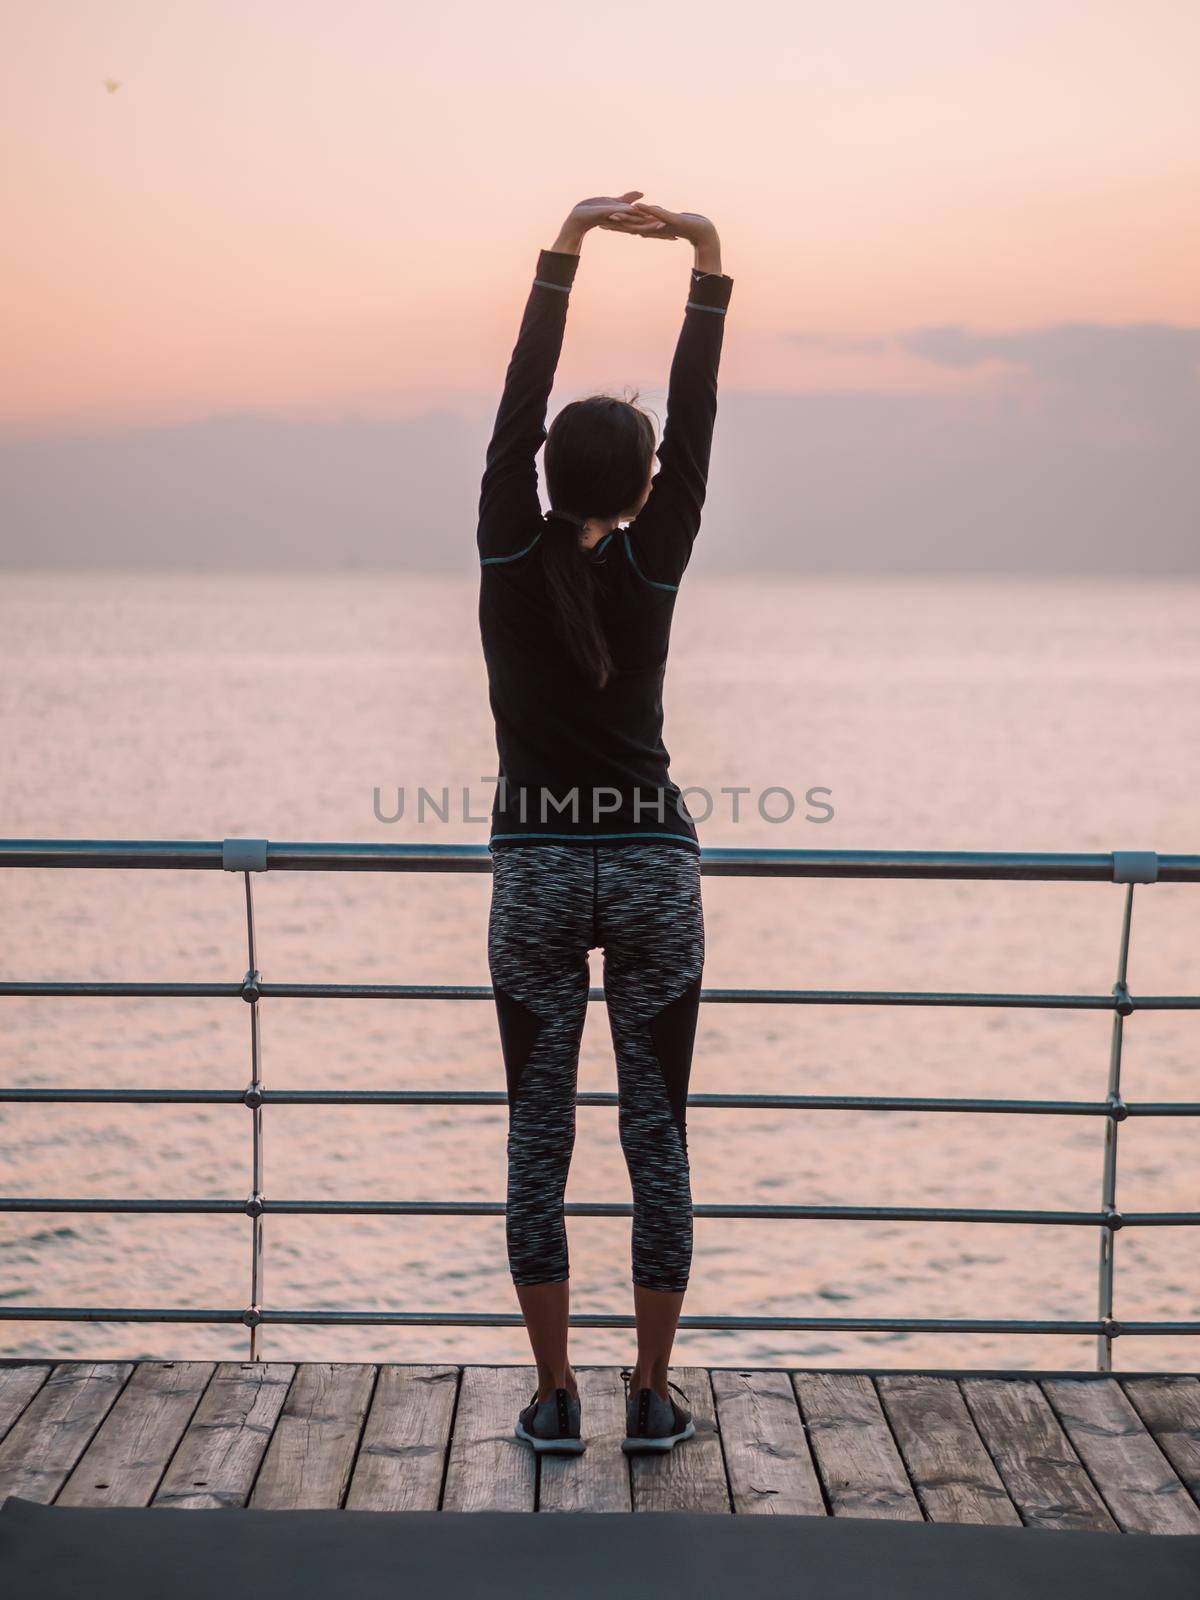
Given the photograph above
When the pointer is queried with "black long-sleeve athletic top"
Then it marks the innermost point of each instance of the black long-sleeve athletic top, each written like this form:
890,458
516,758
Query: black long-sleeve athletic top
579,763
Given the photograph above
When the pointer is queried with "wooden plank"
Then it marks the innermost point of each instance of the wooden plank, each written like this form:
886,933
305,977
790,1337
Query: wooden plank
129,1453
955,1478
311,1453
767,1456
489,1468
853,1447
1170,1408
1126,1465
1043,1475
402,1458
598,1480
219,1456
18,1385
692,1476
56,1426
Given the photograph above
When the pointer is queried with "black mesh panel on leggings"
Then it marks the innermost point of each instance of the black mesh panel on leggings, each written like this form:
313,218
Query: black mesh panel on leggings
551,904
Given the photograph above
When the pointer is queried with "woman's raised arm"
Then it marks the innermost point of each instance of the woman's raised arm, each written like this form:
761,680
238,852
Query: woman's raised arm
509,507
661,536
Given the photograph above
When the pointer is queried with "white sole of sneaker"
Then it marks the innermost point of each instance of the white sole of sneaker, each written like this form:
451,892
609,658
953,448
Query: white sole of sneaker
632,1446
552,1447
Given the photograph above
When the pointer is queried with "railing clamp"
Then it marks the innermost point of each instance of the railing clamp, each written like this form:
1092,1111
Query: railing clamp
1112,1328
1117,1108
251,986
252,1317
1123,998
1135,866
244,855
255,1205
253,1096
1113,1220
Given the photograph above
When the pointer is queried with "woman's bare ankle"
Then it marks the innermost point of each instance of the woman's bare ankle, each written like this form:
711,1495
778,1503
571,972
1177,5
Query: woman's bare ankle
549,1385
657,1380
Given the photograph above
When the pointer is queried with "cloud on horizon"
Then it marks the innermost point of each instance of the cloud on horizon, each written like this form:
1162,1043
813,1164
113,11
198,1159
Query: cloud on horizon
1155,365
1152,363
1083,458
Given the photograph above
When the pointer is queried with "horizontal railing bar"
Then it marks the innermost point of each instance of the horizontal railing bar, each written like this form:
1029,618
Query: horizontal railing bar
609,1208
479,991
128,991
512,1319
131,1207
11,1313
131,1097
601,1097
605,1208
864,997
747,1102
208,855
750,1324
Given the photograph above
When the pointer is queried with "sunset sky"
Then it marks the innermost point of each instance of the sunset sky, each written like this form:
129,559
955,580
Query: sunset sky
310,205
965,240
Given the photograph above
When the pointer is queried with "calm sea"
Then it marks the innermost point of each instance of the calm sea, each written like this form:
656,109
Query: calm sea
992,714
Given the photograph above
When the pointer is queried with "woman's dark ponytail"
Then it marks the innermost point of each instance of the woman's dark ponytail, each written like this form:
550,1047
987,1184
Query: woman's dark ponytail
571,580
599,453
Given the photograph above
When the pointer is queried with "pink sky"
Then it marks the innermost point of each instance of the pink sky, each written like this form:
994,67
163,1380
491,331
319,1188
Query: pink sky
318,207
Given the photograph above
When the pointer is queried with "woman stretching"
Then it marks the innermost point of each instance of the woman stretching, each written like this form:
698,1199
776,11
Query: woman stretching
592,845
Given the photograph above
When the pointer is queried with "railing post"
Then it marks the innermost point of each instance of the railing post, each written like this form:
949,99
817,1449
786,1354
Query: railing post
1116,1114
247,856
254,1101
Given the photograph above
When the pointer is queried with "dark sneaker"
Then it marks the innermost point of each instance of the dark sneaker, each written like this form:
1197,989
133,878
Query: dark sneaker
653,1424
552,1426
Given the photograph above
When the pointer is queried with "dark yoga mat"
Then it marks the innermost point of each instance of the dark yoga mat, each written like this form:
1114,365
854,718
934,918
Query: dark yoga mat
61,1553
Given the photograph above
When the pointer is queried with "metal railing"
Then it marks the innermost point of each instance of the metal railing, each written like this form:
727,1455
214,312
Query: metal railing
247,856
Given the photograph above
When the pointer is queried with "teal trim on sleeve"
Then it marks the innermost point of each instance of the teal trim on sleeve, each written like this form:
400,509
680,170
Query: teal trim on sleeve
491,561
544,283
671,588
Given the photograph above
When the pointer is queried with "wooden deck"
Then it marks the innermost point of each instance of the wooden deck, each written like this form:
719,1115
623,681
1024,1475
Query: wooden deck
1120,1454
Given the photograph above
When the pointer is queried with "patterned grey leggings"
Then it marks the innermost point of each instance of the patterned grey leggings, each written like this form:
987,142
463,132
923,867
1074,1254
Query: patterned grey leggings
551,904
